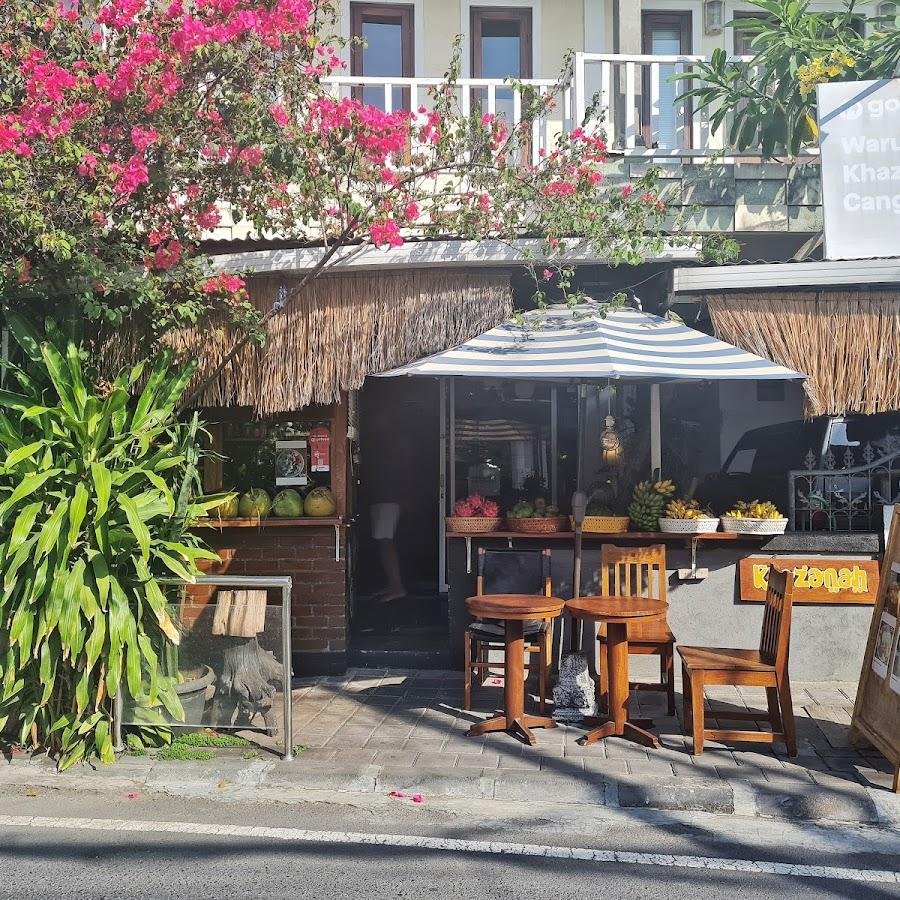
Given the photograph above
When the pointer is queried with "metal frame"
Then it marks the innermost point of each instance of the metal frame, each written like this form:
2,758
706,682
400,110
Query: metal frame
285,582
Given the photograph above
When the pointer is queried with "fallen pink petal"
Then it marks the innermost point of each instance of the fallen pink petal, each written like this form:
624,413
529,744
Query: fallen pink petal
398,794
132,796
418,798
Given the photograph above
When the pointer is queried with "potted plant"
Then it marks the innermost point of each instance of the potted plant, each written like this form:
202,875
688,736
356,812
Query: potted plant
754,517
474,515
535,517
648,503
685,516
603,518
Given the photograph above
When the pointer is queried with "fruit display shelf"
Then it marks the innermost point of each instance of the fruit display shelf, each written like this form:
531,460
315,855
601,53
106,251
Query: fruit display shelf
613,536
271,522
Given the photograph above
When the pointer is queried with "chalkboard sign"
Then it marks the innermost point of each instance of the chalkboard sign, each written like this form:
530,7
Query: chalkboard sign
876,715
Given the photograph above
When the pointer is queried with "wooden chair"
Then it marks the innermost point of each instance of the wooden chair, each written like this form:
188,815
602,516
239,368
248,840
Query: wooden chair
509,572
638,572
766,667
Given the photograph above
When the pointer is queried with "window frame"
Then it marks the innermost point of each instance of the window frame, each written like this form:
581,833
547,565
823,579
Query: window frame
523,14
402,14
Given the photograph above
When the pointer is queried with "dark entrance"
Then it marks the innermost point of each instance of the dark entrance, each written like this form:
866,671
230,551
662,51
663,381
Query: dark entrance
399,617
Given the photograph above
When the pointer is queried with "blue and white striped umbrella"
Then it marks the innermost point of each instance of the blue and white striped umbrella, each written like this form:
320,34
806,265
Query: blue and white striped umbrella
562,343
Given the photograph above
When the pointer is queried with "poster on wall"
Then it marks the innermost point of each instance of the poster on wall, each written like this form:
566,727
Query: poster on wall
859,141
884,644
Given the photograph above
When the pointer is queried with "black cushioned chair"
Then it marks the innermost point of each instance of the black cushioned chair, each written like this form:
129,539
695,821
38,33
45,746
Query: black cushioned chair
509,572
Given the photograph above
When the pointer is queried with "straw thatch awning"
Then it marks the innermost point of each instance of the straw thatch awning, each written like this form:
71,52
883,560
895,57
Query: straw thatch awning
848,342
343,328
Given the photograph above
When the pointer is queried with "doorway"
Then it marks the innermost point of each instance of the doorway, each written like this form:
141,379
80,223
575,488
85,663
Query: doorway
399,617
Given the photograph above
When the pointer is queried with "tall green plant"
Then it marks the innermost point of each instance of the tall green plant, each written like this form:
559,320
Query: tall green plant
769,103
98,490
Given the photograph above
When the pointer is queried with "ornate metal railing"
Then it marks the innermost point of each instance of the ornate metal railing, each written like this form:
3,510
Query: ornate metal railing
846,496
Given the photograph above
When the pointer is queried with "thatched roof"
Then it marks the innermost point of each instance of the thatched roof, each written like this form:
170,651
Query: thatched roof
848,342
343,328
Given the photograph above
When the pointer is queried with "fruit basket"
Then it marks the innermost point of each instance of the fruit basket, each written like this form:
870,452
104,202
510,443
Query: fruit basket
542,525
603,524
754,517
474,515
748,525
473,524
685,516
688,526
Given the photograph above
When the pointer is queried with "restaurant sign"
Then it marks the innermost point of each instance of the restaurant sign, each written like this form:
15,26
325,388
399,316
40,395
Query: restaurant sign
859,140
817,579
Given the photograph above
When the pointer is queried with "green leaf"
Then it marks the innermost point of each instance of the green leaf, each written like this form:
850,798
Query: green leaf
24,523
77,512
135,523
102,485
23,453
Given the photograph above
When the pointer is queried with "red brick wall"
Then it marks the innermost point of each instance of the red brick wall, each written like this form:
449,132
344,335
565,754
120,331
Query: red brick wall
318,601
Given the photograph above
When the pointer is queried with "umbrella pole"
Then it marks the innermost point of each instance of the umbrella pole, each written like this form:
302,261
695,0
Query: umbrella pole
655,433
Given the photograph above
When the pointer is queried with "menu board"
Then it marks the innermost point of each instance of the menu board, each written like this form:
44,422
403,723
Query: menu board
876,714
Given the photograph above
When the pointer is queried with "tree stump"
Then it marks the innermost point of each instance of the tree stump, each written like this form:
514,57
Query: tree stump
250,675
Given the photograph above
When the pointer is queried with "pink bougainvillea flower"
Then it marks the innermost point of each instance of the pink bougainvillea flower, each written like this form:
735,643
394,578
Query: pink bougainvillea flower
418,798
398,795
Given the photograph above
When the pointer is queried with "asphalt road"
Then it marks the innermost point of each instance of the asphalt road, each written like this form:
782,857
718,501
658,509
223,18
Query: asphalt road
54,845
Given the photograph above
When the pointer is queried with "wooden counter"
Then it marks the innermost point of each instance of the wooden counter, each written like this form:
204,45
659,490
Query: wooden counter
613,536
272,522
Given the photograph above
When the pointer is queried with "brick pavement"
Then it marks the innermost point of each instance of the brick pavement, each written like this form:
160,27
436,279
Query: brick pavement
409,726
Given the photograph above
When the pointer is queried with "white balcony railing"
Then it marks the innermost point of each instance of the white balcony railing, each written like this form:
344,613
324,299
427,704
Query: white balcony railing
636,104
489,95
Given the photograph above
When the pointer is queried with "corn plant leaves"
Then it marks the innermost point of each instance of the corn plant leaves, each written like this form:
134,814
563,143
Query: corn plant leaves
89,486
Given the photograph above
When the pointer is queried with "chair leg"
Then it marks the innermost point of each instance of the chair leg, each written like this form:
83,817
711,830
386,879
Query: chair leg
787,714
542,675
667,670
467,674
698,719
774,712
688,724
602,678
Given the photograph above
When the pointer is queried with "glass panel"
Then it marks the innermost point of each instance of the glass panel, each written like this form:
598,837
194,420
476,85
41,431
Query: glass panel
382,57
501,57
227,669
665,40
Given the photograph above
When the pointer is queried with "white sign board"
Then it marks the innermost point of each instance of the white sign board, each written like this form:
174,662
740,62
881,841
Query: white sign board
859,136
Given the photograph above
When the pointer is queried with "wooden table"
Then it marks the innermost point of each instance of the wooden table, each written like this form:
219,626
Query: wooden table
617,612
514,610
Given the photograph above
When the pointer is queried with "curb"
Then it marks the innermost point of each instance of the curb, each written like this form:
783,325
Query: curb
234,780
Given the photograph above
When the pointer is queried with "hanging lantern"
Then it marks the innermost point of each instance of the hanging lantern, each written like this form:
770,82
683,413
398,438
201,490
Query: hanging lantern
610,443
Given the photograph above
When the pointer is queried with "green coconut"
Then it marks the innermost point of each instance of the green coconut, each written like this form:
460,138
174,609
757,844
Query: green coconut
319,502
288,504
227,509
255,504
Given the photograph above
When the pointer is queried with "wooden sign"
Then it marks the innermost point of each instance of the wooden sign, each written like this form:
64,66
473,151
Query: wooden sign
817,579
876,714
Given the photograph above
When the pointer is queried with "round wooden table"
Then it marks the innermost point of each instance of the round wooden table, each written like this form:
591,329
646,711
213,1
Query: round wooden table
514,610
617,612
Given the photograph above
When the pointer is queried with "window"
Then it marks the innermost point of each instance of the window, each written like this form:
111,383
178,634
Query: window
387,30
666,34
501,42
743,39
770,391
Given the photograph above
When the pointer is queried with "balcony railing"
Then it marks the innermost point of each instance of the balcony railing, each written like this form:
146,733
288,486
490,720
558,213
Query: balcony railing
635,104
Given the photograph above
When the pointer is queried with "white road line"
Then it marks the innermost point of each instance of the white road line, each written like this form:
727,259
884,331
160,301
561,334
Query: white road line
453,845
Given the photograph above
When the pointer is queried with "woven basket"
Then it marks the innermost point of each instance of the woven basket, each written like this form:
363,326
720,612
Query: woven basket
602,524
548,525
473,524
753,526
688,526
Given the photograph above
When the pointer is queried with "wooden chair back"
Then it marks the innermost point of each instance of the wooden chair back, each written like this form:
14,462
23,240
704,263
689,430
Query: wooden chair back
513,572
775,639
633,571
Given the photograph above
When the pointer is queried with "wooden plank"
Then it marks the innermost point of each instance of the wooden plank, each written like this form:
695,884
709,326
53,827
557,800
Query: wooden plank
274,522
876,713
817,579
339,455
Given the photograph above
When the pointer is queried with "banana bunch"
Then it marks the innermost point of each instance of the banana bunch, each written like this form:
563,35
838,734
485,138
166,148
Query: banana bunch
754,509
648,502
684,509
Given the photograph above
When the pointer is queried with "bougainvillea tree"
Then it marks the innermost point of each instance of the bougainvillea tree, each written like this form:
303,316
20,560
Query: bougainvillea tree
128,129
